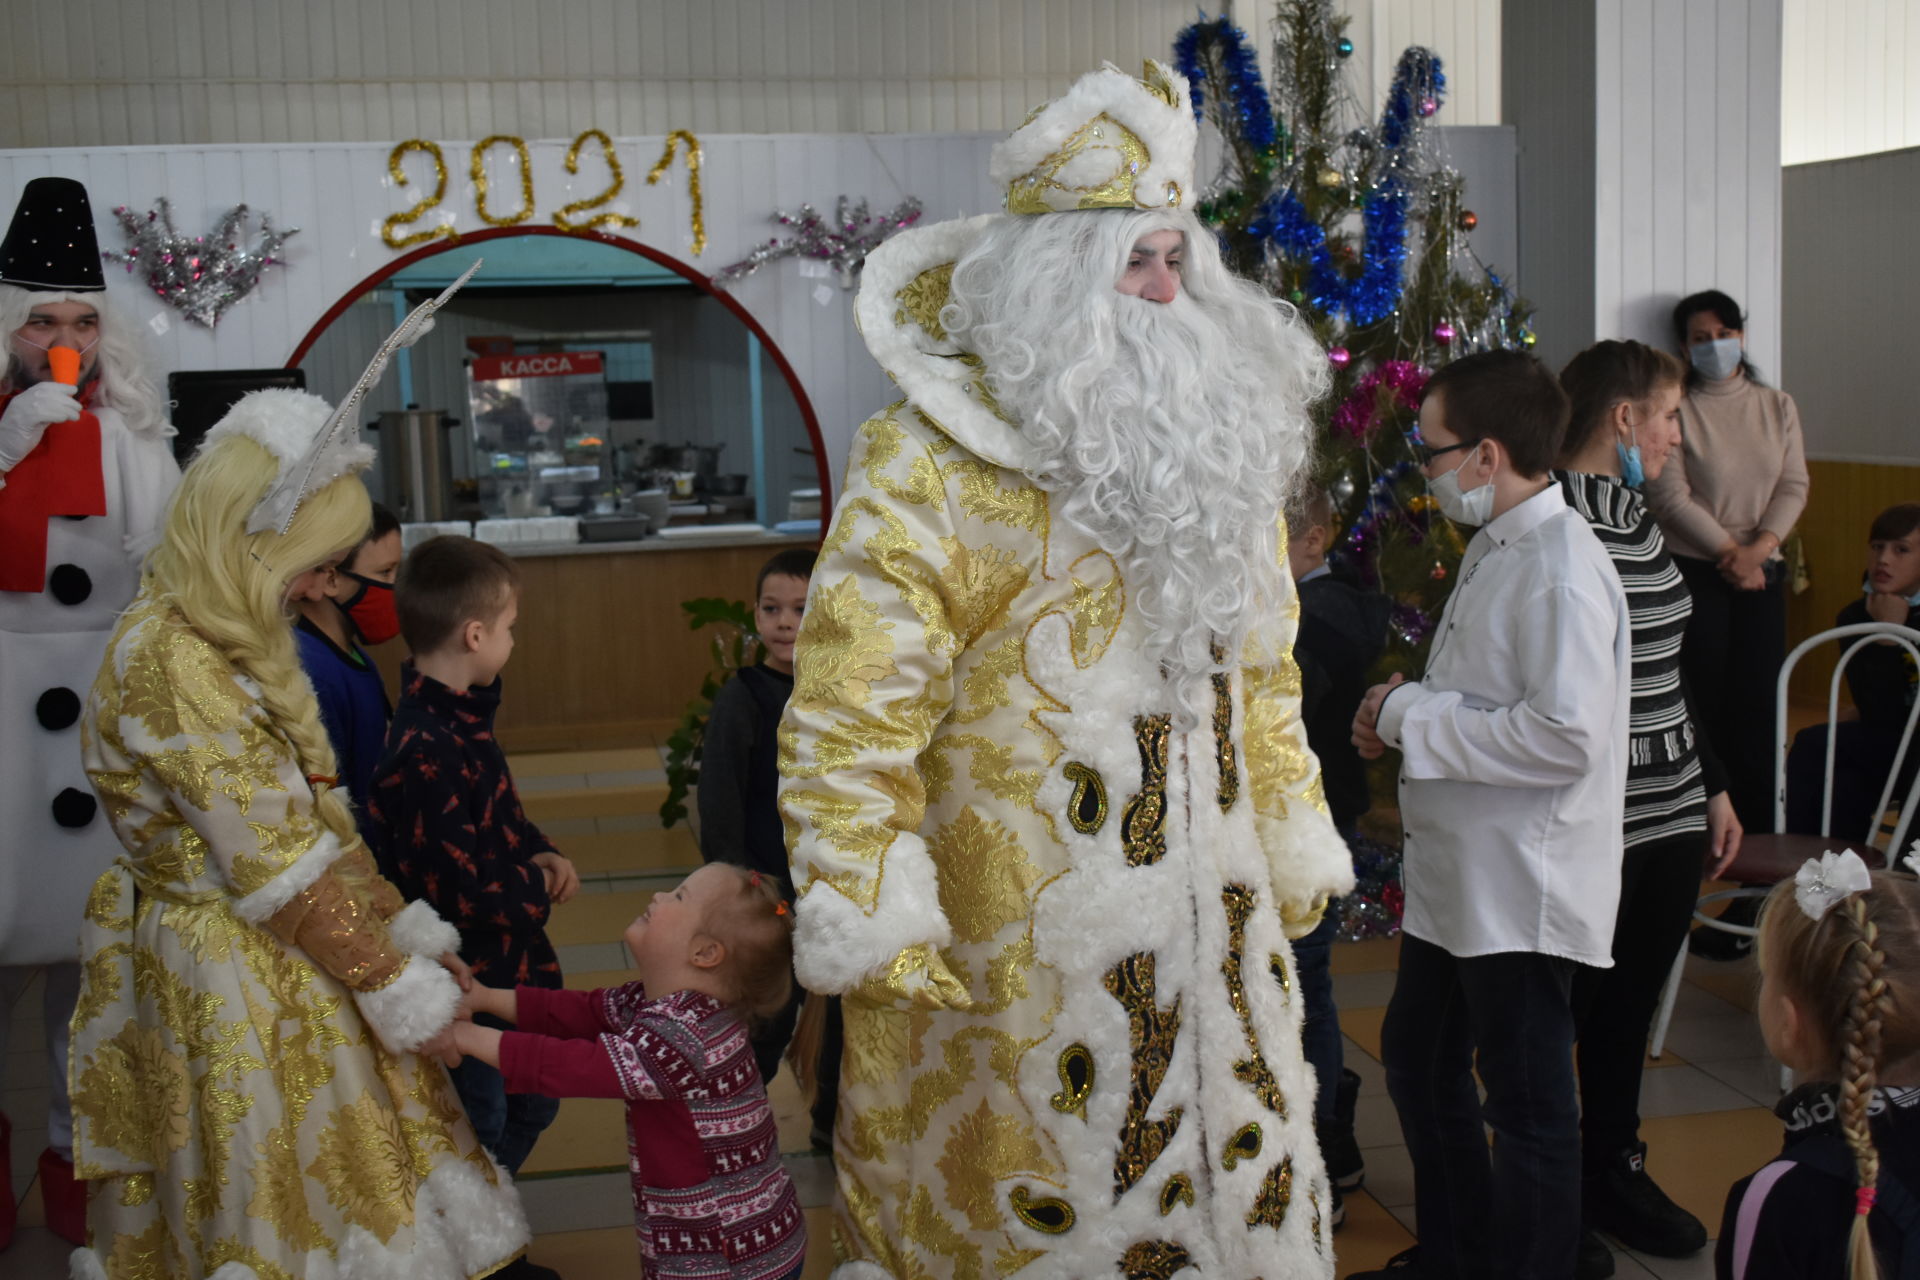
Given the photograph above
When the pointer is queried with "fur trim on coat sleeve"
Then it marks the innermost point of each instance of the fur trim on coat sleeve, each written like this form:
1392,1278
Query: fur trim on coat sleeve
413,1008
419,930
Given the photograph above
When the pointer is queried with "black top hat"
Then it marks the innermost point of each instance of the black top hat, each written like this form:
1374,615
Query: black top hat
51,246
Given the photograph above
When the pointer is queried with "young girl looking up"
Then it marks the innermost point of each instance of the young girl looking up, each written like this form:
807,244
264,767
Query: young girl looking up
1840,969
711,1196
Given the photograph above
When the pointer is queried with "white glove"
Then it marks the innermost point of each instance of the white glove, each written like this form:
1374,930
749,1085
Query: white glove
28,417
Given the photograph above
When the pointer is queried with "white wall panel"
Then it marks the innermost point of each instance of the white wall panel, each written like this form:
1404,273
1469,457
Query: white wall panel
219,72
1850,82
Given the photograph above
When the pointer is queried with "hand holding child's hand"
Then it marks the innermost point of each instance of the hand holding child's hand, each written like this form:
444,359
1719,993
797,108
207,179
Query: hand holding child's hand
454,965
474,1041
1365,737
444,1046
562,880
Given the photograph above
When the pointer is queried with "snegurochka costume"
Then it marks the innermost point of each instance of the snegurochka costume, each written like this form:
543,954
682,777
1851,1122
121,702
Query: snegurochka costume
77,512
990,807
245,1086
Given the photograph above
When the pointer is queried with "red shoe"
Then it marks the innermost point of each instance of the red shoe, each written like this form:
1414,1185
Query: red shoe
65,1197
8,1209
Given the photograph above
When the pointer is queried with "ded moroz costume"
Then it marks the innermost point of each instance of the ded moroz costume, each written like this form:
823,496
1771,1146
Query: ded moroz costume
1052,869
80,498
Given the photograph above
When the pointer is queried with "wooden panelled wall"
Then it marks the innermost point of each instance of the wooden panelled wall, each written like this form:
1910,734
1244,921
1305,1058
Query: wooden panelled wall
1843,500
1852,78
602,652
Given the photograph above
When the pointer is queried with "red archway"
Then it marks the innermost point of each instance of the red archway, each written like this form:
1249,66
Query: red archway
700,281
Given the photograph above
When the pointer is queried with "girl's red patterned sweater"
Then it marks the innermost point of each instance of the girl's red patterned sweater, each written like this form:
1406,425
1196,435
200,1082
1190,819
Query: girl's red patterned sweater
711,1197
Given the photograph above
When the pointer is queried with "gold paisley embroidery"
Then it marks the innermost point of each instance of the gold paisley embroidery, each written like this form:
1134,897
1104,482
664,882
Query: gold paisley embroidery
1143,835
1178,1191
1097,608
1043,1213
1154,1260
1251,1070
1024,506
1225,756
1243,1145
979,586
985,687
984,875
1152,1032
1277,966
1076,1081
1087,810
1275,1194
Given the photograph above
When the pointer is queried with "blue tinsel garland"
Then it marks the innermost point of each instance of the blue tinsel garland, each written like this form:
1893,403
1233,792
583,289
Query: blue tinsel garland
1244,95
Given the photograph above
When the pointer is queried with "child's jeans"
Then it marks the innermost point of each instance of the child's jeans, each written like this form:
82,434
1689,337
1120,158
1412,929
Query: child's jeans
1320,1027
506,1123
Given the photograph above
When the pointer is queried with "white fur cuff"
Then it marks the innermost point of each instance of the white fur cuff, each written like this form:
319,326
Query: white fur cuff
419,930
413,1008
289,884
837,945
859,1271
1307,857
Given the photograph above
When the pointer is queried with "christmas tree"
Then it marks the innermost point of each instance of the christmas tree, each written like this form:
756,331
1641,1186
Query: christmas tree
1361,225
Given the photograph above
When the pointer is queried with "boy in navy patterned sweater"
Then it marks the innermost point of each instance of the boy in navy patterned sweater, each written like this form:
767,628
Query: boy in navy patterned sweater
449,823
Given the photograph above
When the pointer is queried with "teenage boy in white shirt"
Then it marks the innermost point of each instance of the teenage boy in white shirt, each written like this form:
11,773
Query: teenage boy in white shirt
1514,759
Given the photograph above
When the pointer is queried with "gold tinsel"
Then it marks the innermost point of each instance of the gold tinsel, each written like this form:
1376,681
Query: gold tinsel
389,230
674,140
479,172
608,219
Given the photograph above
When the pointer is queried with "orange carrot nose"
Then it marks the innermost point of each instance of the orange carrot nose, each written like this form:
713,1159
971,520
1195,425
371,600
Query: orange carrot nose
64,363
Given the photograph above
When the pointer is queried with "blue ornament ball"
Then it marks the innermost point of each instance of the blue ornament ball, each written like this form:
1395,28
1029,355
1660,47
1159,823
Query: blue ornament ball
1344,48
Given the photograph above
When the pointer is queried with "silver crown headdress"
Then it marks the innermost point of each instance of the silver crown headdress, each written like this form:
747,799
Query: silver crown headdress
272,418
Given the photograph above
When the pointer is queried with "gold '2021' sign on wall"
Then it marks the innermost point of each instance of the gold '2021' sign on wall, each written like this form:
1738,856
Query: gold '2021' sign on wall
568,217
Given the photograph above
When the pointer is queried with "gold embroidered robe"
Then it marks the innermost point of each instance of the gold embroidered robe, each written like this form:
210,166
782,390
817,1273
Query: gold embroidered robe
231,1099
986,790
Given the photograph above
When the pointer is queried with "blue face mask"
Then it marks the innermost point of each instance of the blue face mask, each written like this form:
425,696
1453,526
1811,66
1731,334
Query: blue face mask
1717,359
1632,473
1866,589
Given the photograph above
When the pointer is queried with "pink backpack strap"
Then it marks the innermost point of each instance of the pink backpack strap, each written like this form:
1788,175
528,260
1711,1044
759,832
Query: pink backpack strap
1748,1223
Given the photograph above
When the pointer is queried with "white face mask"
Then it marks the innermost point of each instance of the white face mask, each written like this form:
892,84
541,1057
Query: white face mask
1471,507
1718,359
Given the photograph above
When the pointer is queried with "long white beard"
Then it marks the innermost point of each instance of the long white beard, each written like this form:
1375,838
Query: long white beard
1170,434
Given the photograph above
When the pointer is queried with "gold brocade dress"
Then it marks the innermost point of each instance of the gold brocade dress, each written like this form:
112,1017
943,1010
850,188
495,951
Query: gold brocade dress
239,1115
987,785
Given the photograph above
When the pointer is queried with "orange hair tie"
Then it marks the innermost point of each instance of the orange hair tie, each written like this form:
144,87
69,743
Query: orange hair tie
315,780
780,908
1863,1198
754,879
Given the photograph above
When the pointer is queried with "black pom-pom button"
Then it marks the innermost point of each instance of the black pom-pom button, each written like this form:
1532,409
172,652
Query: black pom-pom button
57,709
74,808
70,584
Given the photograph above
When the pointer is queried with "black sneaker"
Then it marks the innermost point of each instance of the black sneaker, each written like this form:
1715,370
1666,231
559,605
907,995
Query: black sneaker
1346,1168
1622,1200
1404,1265
1717,944
1337,1215
1595,1260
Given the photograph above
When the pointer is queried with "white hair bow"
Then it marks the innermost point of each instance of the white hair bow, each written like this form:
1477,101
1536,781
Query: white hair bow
1825,880
1913,858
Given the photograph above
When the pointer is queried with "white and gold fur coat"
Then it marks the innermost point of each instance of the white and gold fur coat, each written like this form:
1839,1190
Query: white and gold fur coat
979,767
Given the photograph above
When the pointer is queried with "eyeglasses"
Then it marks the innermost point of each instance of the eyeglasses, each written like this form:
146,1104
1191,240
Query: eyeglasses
1425,453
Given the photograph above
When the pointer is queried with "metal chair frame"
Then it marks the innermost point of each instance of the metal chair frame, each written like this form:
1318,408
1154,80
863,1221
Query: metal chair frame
1861,634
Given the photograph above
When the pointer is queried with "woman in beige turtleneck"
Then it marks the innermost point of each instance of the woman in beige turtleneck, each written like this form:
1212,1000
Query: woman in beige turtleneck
1725,503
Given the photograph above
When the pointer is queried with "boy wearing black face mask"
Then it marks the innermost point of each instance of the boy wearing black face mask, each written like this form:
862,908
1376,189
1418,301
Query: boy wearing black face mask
357,610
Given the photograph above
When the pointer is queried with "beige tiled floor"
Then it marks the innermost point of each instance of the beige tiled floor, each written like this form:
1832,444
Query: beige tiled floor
1706,1102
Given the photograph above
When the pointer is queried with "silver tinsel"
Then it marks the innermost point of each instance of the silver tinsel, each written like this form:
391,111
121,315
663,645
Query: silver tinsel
844,242
198,276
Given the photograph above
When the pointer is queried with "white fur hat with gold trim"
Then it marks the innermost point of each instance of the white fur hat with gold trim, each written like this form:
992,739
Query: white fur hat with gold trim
1109,142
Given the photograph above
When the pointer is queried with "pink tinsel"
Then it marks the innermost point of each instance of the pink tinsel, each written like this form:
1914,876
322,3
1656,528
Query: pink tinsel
1360,413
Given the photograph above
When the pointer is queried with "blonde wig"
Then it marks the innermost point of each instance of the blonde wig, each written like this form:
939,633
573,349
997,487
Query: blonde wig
231,586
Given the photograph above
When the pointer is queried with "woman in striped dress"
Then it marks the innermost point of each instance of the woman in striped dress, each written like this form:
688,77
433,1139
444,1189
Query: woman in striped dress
1625,424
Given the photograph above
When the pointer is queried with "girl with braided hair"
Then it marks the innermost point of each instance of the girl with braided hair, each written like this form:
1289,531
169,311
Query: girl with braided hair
1839,954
